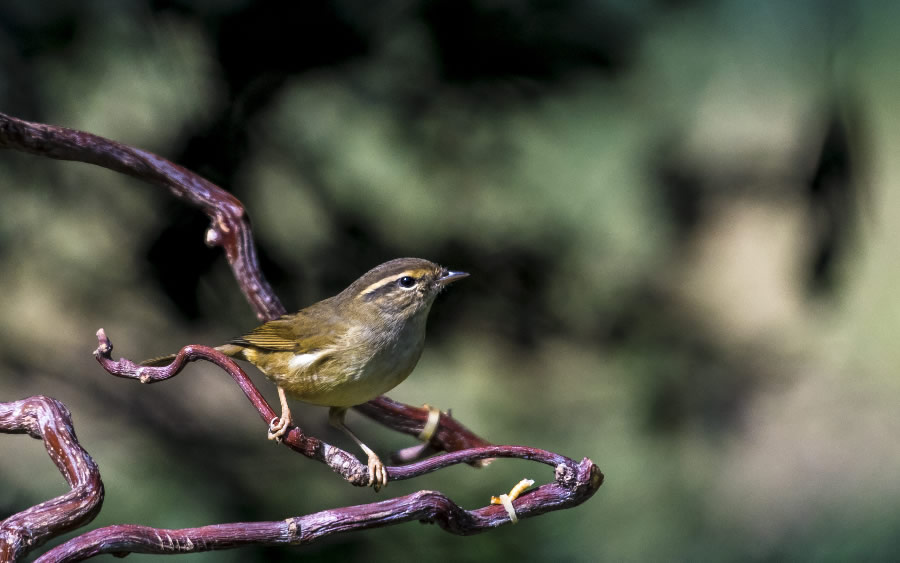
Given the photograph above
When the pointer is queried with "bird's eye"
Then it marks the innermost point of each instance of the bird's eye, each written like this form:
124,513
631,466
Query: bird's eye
407,282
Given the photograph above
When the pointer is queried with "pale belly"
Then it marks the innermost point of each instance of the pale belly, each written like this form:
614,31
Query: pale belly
305,380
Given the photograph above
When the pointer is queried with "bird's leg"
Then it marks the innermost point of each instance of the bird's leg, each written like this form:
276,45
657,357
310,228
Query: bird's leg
278,426
378,475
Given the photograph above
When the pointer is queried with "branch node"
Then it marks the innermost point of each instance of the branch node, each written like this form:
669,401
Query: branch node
212,237
293,528
566,475
104,346
431,424
510,509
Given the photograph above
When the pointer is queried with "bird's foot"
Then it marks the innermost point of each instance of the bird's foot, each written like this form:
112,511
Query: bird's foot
378,475
277,427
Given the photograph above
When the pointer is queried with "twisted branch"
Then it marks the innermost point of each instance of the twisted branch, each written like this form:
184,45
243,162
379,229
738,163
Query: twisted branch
572,487
230,229
340,461
229,224
49,420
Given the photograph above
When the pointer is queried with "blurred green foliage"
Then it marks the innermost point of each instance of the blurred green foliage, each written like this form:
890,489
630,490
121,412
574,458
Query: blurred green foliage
677,216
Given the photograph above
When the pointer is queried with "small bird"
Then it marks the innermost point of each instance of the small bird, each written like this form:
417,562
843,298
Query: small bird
348,349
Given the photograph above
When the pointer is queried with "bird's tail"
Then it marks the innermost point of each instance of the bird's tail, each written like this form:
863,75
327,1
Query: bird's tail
227,349
159,361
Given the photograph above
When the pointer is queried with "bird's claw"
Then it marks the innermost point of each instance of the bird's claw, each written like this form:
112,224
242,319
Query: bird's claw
378,475
277,428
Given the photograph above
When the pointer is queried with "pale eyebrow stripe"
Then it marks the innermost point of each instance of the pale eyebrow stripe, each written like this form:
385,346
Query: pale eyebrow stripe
385,281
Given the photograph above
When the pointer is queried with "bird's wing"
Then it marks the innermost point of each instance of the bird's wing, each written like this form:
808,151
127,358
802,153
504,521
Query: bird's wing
304,331
274,335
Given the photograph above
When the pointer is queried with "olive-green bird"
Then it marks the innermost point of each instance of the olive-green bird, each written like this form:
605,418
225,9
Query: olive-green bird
347,349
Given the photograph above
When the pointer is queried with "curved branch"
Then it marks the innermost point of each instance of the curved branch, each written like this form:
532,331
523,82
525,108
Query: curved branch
230,229
229,224
571,488
339,460
49,420
450,435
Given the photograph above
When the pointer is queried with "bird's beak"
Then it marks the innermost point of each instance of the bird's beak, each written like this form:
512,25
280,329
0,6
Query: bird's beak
448,276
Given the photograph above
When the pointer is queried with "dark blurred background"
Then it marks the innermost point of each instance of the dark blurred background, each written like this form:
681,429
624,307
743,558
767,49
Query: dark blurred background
677,215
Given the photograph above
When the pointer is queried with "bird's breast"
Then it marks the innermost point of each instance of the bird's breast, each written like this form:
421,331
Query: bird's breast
362,366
